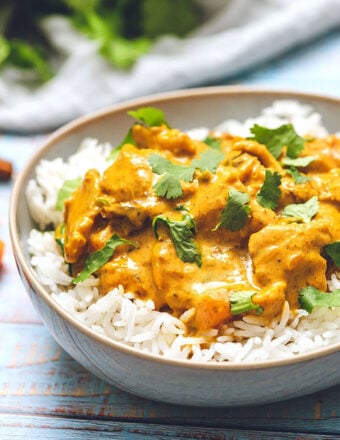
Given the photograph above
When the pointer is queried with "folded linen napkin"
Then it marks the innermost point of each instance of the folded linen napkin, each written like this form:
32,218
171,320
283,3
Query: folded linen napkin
238,35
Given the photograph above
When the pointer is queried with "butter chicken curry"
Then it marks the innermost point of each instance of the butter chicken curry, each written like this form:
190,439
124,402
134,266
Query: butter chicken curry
213,228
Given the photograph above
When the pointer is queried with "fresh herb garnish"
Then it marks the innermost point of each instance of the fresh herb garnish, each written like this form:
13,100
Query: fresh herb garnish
278,138
299,162
69,186
270,192
150,116
123,30
169,185
208,161
234,215
241,302
333,251
181,233
96,260
304,211
212,142
297,176
310,297
24,56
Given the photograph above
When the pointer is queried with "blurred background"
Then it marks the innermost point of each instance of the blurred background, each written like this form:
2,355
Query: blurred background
60,59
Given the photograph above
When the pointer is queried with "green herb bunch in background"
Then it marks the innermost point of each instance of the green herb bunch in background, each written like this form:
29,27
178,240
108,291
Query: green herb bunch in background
123,29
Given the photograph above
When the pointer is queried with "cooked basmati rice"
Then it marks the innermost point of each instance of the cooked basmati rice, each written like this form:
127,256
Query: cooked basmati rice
131,321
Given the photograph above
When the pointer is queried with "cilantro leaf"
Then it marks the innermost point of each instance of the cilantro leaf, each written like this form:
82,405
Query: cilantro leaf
169,187
310,297
241,302
270,193
96,260
304,211
181,233
69,186
212,142
333,251
234,215
169,184
208,161
151,116
297,176
161,165
276,139
298,162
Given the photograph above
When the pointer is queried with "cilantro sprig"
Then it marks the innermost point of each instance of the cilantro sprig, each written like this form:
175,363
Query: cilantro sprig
97,259
270,192
304,211
278,138
310,297
235,214
241,302
181,233
123,30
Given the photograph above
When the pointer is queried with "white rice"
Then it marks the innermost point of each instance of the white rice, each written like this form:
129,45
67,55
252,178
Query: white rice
136,323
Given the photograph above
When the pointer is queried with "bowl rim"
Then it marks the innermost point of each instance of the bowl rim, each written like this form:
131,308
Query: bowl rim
79,122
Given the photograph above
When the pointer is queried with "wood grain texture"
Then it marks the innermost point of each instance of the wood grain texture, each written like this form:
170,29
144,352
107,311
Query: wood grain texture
39,378
36,427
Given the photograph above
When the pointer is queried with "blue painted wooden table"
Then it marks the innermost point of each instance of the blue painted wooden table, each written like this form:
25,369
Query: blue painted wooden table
44,394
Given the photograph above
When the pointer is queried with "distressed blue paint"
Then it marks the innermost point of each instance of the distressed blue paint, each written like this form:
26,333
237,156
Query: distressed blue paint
57,428
37,377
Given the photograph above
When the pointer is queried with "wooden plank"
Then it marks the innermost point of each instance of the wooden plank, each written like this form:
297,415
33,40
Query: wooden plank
14,426
37,377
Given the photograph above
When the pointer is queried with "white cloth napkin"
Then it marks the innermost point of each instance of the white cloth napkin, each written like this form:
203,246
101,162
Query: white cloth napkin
238,35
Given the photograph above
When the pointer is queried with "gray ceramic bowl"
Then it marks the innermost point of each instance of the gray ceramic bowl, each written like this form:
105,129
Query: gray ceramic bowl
182,382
